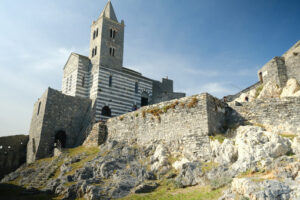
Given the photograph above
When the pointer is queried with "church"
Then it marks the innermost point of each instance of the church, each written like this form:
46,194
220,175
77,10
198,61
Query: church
101,76
94,87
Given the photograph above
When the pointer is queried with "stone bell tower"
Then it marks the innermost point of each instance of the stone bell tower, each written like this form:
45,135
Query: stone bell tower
107,39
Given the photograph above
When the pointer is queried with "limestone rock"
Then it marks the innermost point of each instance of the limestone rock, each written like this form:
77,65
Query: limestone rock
261,190
178,164
270,90
292,86
224,153
296,145
160,158
190,174
255,144
145,188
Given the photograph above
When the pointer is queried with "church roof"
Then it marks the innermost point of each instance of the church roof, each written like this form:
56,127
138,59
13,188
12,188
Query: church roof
109,12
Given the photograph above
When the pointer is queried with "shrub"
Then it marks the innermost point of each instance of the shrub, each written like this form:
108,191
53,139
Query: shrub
220,182
219,137
258,90
121,118
193,102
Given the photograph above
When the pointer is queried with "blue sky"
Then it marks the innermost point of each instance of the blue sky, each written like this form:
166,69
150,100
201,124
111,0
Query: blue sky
213,46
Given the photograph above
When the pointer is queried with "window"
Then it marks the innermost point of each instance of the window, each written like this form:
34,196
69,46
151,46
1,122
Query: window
136,87
82,81
112,33
38,112
97,32
95,50
110,81
112,51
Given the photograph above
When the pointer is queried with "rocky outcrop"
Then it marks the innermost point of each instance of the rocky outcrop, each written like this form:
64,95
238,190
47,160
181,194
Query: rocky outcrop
12,153
251,160
270,90
291,88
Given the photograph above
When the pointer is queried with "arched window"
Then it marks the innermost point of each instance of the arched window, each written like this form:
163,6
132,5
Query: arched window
112,51
106,111
110,81
113,33
144,99
136,89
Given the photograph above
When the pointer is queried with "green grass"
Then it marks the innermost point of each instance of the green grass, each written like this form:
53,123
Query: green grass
219,137
288,135
167,193
206,167
258,90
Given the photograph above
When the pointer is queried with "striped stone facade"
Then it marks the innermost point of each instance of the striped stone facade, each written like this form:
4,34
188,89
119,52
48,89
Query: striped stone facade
114,89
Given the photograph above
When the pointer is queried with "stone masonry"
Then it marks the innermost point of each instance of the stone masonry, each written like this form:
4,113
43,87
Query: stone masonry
55,112
277,115
187,121
12,153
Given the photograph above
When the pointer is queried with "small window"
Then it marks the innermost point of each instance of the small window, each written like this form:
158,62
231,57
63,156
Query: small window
97,32
112,33
112,51
95,50
110,81
39,107
136,87
82,81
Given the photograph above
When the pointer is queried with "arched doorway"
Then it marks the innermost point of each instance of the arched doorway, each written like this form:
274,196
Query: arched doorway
144,99
60,139
106,111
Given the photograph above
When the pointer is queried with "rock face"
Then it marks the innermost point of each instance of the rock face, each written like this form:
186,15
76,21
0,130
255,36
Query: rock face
270,90
12,153
257,163
291,88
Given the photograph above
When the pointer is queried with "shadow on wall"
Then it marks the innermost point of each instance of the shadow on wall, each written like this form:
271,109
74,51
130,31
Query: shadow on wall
12,153
14,192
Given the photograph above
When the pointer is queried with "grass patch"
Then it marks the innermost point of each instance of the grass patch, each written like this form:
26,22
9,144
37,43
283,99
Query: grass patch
169,191
206,167
219,137
288,135
258,90
91,153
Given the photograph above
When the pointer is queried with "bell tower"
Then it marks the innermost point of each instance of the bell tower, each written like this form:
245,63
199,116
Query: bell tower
107,39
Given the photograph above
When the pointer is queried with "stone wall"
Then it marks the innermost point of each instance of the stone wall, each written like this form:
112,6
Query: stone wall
163,91
278,115
97,135
186,122
55,112
12,153
274,71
